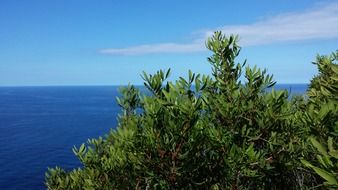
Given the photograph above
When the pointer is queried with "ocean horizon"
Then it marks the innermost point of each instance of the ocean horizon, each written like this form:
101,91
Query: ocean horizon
39,126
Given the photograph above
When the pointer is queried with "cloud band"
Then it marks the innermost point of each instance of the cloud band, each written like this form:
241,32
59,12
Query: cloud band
319,23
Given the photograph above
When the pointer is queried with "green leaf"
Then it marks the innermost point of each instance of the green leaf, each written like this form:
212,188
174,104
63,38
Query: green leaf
325,175
82,149
168,73
330,144
334,154
318,146
306,163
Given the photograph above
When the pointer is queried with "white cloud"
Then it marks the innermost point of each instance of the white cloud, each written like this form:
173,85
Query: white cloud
155,48
319,23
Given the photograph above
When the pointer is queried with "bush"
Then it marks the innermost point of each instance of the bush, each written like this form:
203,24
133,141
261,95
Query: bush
206,132
322,114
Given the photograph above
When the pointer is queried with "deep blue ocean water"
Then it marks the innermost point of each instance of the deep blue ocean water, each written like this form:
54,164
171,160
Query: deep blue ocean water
40,125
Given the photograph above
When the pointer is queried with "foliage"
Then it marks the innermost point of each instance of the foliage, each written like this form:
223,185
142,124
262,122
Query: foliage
206,132
324,87
322,113
328,161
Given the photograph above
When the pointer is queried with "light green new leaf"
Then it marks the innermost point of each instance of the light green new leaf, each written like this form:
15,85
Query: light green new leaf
318,146
325,175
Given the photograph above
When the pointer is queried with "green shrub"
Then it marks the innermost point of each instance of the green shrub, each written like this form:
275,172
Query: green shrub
321,115
203,132
327,161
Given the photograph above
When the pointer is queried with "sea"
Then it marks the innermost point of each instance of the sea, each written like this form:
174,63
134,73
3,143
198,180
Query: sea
39,126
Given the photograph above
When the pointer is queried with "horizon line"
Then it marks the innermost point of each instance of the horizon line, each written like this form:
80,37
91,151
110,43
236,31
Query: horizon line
107,85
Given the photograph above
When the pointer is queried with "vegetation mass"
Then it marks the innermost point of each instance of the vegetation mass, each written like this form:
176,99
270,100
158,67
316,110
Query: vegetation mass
229,130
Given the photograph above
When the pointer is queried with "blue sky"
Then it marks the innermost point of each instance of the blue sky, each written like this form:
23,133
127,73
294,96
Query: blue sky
110,42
